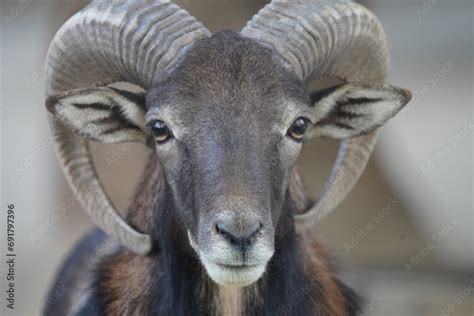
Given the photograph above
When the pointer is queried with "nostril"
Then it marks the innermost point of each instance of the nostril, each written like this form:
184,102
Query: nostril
240,235
225,230
256,229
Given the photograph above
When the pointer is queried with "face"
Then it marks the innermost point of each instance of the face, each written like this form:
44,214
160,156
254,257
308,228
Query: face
227,125
228,129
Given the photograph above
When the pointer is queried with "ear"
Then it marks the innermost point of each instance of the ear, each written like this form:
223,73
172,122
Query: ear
106,115
354,109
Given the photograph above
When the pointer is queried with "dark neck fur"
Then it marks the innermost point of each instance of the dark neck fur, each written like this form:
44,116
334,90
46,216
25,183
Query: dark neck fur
175,282
184,285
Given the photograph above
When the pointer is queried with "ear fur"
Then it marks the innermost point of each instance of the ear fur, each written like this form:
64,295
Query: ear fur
106,115
353,109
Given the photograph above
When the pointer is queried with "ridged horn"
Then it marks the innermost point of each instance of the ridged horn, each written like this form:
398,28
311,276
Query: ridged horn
319,39
106,42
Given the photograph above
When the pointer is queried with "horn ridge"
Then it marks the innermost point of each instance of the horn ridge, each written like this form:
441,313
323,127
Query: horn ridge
319,39
136,41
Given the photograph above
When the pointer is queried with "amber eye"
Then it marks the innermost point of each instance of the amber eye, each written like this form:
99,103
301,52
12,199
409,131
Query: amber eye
160,131
298,129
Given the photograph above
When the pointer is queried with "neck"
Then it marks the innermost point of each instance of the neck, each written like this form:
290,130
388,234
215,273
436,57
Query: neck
182,284
173,281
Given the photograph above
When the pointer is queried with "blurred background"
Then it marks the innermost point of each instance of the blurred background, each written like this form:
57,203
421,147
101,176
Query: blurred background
403,237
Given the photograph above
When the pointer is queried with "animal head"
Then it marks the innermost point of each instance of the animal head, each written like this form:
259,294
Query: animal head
226,114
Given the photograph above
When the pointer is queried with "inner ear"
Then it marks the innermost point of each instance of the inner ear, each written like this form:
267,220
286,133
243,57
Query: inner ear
318,89
103,114
352,109
132,92
319,94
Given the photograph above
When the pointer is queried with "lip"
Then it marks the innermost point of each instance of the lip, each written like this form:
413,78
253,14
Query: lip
237,267
238,275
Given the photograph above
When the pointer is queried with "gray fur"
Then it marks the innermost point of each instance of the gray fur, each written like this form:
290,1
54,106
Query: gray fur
229,105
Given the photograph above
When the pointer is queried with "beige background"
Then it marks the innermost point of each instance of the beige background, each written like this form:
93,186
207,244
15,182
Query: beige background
432,54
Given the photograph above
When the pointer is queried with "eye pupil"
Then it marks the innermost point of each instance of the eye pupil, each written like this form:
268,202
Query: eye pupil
160,130
298,129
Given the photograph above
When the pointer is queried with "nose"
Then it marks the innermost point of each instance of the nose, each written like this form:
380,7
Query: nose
241,236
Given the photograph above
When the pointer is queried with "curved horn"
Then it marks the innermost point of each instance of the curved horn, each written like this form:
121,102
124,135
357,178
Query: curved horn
317,39
106,42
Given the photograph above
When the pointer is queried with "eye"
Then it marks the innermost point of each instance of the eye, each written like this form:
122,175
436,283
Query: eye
160,131
298,129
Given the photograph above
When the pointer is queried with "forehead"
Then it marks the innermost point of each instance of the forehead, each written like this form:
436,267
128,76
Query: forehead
228,76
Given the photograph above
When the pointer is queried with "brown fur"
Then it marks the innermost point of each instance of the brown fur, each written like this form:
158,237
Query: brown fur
125,283
127,276
319,270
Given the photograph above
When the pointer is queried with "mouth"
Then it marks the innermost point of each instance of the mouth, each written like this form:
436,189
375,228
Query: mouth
238,269
236,266
234,275
228,268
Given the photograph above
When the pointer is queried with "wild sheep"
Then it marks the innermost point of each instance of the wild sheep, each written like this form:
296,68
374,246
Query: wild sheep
218,222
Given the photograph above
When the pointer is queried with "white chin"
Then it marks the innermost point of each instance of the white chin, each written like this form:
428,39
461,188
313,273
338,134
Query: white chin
238,276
